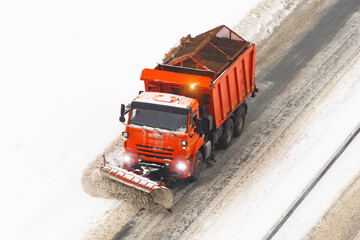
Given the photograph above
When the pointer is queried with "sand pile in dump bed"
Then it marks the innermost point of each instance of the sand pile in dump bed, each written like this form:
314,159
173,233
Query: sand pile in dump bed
99,186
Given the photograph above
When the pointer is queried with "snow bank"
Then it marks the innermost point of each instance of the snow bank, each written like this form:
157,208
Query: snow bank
66,67
260,22
322,139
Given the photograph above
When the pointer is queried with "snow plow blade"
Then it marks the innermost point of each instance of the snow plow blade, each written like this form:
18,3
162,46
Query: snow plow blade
160,195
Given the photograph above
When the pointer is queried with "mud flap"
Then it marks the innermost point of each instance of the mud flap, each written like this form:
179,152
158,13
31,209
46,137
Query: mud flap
160,195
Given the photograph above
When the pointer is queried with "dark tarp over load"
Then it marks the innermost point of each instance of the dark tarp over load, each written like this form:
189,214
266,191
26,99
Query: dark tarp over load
212,51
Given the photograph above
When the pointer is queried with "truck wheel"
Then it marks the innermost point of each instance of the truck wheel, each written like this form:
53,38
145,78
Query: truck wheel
197,167
239,121
225,139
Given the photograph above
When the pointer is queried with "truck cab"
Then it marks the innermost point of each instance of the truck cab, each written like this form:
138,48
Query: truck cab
161,135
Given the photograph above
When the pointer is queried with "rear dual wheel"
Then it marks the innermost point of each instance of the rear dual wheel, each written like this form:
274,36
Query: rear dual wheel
226,137
232,128
239,121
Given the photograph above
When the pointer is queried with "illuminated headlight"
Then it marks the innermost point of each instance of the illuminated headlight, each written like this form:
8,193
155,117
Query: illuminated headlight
128,158
184,144
181,166
125,135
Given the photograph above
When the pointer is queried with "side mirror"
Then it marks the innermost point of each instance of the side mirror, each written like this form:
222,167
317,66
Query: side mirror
198,126
122,113
202,110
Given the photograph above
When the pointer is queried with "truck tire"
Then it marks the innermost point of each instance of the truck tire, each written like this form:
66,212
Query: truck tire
239,121
225,139
197,167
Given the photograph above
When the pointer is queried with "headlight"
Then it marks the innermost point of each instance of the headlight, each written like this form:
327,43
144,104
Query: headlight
184,143
181,166
128,158
125,135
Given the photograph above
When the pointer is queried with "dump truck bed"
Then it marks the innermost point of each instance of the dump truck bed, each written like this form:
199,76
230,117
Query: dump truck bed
233,87
218,63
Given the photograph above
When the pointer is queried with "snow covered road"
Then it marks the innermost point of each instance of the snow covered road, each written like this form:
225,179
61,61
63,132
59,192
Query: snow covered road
307,73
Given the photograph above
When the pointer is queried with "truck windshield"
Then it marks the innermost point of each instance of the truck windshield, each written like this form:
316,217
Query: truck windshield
159,119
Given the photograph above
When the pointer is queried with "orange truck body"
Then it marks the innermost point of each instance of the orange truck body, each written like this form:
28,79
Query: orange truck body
202,83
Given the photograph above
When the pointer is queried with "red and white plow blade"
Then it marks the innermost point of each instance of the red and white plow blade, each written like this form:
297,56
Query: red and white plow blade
159,194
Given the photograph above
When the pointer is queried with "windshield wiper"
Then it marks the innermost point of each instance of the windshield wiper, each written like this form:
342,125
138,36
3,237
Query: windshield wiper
142,126
144,129
154,128
157,130
168,130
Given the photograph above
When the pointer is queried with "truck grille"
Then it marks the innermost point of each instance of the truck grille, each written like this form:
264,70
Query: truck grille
151,152
151,164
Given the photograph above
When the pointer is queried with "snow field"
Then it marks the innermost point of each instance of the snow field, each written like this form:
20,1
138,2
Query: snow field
65,68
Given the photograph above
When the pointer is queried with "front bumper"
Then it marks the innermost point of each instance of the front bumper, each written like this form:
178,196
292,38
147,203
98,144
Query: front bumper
178,167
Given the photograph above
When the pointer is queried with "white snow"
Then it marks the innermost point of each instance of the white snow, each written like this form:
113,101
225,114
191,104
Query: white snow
264,18
321,198
324,135
65,68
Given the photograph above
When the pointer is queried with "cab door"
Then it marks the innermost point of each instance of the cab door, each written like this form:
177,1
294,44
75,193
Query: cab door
193,137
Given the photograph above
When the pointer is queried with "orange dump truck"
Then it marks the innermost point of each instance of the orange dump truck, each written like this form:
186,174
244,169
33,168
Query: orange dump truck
193,102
